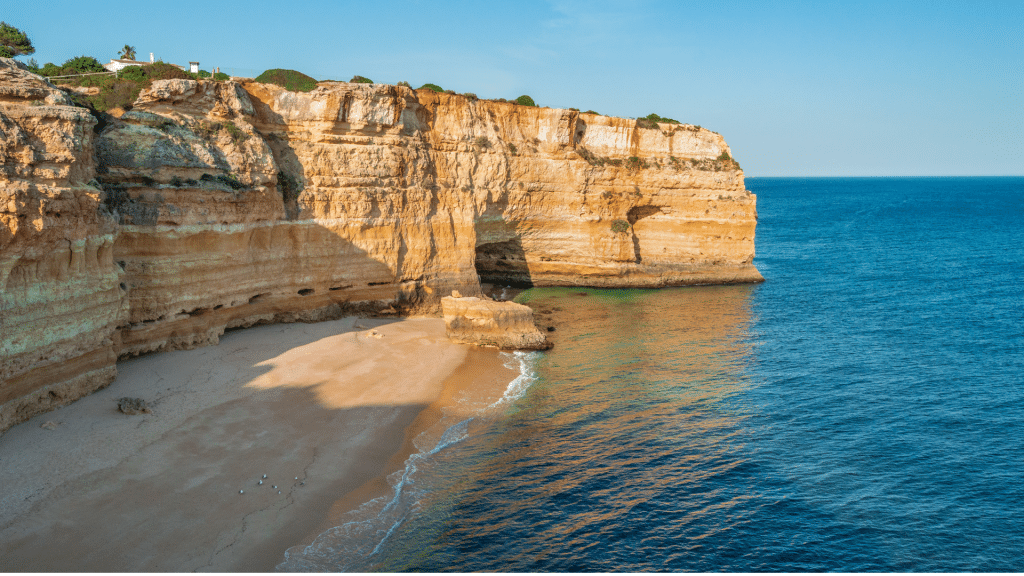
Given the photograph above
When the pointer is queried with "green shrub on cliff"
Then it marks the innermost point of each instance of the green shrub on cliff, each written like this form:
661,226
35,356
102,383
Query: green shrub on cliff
620,226
288,79
360,80
635,164
81,65
726,162
164,71
654,119
134,73
48,69
430,86
113,92
525,100
237,134
122,90
116,94
13,42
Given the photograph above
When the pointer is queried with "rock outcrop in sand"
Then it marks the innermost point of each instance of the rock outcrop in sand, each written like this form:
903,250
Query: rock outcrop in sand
485,322
213,205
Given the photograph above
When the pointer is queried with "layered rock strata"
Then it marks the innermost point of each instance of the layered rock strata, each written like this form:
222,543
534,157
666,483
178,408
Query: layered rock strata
485,322
61,296
214,205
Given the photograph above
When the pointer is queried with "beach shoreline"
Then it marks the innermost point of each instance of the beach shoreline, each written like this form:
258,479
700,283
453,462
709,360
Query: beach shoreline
335,404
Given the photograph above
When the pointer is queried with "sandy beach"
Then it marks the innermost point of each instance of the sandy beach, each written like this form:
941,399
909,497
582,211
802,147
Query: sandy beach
87,488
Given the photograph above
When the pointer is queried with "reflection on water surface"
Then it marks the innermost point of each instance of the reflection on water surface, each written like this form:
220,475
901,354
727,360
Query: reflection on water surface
633,414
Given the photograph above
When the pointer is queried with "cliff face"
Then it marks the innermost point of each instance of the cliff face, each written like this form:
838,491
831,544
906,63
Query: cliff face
217,205
565,198
61,296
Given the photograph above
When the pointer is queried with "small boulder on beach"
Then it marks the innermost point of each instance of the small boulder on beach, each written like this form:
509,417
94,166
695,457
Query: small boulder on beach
484,322
133,406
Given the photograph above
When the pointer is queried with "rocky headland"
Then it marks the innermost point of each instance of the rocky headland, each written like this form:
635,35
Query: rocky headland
217,205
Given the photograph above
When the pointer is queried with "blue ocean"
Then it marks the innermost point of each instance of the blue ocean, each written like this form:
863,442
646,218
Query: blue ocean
862,410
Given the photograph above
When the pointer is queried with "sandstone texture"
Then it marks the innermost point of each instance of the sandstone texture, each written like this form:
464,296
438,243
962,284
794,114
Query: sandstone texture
61,296
485,322
216,205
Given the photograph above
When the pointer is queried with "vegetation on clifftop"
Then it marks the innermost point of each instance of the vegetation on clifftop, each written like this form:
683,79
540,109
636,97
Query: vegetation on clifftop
122,90
114,93
725,159
76,65
14,42
292,80
525,100
652,120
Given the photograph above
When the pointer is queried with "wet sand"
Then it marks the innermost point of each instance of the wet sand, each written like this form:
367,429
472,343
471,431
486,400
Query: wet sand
327,403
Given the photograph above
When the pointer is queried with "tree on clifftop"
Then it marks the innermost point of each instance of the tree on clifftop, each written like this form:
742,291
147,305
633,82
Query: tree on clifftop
525,100
13,42
127,53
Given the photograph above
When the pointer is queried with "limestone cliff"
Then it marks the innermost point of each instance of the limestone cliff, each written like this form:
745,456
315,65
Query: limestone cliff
213,205
61,297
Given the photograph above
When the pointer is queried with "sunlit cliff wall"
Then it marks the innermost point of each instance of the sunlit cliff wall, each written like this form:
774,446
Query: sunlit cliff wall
61,296
217,205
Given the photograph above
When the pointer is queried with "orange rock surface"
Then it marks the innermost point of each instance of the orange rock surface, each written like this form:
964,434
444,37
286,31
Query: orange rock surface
213,205
485,322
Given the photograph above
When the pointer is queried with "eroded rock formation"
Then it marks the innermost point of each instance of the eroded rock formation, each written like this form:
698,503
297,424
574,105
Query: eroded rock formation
485,322
213,205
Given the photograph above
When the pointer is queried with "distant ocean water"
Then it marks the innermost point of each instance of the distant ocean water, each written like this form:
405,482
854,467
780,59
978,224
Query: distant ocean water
862,410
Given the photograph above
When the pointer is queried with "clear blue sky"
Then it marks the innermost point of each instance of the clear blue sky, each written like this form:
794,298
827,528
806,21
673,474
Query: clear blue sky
797,88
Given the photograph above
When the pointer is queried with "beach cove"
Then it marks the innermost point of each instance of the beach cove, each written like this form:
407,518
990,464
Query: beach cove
335,404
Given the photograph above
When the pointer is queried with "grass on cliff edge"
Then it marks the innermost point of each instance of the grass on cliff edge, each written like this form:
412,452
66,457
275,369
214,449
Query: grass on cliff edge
652,120
288,79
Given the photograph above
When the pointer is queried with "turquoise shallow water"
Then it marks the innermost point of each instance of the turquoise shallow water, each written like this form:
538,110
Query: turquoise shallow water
860,411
